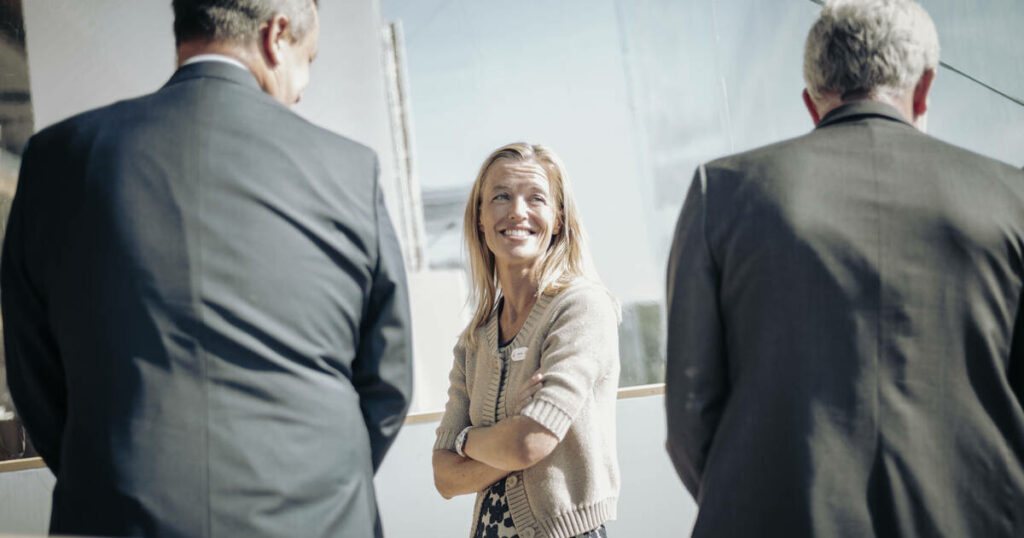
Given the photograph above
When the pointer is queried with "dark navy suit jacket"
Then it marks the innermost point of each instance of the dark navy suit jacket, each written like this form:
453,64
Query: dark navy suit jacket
206,316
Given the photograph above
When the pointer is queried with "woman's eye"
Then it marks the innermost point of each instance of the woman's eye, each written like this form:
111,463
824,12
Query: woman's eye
502,196
539,199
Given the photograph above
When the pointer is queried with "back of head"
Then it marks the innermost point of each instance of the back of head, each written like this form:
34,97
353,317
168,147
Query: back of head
237,21
869,48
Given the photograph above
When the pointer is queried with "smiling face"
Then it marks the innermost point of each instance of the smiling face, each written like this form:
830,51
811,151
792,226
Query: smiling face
518,214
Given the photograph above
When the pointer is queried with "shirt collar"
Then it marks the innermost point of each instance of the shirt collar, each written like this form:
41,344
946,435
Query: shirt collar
215,58
214,69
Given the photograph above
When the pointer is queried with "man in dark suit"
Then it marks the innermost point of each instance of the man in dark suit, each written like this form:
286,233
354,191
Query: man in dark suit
846,340
204,301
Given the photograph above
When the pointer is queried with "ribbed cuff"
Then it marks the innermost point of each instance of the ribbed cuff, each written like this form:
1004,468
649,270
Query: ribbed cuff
580,520
549,416
446,440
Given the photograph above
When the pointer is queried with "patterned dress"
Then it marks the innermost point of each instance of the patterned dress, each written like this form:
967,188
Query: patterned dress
495,519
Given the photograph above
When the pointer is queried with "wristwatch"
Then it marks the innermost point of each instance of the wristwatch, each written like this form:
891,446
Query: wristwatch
460,441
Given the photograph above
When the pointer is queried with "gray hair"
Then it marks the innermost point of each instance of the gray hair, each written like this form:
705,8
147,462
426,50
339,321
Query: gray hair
869,46
237,21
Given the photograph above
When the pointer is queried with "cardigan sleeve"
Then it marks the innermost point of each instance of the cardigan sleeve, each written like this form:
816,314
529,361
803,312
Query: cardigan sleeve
580,349
456,410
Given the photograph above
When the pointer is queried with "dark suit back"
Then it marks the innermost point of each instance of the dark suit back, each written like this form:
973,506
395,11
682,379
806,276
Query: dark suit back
216,283
845,354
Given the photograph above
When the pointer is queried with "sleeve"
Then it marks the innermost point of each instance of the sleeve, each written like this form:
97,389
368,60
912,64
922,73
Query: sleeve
456,410
696,377
580,349
1015,371
382,370
35,373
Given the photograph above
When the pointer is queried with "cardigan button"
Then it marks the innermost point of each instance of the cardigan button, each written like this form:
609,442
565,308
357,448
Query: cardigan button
512,481
527,533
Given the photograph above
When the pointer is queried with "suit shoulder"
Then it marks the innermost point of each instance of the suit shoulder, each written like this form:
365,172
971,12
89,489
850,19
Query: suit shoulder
344,146
745,159
784,151
969,158
84,122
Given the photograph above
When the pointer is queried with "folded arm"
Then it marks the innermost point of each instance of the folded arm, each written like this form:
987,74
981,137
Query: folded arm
510,445
456,475
513,444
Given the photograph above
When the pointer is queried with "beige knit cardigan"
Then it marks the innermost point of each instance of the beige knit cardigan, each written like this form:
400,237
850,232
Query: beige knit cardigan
572,337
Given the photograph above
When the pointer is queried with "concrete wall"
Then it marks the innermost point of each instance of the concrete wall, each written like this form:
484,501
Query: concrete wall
653,501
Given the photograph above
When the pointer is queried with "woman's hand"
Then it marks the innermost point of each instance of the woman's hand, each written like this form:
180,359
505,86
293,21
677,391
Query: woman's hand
525,393
456,475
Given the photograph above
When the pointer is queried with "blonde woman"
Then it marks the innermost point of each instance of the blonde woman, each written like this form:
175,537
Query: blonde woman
529,426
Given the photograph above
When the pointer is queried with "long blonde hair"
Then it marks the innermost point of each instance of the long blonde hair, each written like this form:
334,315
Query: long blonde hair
566,259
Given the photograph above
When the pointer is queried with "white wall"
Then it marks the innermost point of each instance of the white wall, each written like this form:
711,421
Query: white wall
82,55
85,54
438,304
653,501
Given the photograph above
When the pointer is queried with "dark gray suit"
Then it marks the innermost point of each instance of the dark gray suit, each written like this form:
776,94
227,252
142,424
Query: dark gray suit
846,343
206,316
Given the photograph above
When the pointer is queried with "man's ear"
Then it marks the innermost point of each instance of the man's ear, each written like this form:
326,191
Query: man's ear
274,36
924,85
811,107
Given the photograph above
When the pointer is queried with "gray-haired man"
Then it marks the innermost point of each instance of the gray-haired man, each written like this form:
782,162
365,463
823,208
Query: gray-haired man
846,344
204,302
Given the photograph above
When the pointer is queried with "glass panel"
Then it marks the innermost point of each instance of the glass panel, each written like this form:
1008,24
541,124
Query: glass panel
478,80
634,94
983,39
968,115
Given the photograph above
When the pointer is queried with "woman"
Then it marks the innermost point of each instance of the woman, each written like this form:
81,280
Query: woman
530,421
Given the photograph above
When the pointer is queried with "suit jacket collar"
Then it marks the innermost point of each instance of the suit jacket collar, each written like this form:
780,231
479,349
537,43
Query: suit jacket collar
219,70
862,109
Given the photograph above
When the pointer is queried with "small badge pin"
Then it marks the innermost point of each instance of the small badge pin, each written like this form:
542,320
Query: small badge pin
519,353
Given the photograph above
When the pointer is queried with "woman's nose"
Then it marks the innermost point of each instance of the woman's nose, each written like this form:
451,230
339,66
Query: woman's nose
518,208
